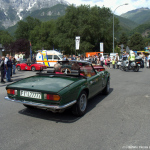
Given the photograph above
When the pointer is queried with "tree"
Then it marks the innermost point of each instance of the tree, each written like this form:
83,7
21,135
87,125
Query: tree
92,24
21,45
24,27
42,36
5,39
123,39
136,42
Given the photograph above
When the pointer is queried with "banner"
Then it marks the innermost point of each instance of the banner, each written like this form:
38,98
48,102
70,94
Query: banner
77,40
101,47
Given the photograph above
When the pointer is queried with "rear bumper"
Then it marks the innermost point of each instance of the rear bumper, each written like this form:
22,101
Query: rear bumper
39,105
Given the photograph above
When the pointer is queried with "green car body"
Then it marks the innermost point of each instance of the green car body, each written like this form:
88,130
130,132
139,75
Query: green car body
67,87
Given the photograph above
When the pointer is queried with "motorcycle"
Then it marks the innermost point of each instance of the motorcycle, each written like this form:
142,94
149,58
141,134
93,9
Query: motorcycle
119,63
131,65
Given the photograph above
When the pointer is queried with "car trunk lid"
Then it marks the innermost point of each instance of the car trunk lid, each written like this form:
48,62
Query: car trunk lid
43,83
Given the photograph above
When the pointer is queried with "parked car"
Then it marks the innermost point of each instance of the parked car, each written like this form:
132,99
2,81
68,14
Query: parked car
30,66
56,91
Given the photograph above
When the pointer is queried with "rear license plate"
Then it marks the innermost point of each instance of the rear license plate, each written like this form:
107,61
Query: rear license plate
138,64
30,94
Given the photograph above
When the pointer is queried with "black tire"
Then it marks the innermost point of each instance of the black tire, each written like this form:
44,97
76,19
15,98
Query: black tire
79,109
28,106
124,68
18,68
121,68
107,88
33,69
136,69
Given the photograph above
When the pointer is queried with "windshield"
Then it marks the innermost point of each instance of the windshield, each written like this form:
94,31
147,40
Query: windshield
61,56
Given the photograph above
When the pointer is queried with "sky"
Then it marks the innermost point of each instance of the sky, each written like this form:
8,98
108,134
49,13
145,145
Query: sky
113,4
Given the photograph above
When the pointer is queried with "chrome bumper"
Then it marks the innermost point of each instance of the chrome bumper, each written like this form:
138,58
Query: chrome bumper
54,107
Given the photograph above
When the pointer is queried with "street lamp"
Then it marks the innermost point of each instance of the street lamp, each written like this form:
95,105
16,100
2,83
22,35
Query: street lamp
113,23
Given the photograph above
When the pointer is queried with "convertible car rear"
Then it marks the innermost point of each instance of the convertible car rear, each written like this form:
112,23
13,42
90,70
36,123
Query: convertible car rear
56,91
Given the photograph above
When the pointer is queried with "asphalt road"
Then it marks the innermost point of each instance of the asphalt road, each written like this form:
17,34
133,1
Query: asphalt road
118,121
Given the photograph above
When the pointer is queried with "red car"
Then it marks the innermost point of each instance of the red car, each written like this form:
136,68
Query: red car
29,66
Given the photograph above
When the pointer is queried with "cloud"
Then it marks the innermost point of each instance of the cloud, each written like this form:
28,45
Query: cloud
113,4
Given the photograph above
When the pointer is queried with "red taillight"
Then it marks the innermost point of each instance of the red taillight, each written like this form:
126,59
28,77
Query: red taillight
49,97
103,69
11,91
52,97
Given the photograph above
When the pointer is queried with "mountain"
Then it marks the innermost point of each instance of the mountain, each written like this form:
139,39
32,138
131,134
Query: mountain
139,16
12,11
126,24
44,14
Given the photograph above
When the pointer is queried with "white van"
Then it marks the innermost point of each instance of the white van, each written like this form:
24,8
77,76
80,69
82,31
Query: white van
48,57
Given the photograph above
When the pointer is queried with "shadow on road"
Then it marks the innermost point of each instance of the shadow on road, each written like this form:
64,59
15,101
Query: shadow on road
7,83
66,116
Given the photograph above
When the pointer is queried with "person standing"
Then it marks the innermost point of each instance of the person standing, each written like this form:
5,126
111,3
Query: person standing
10,58
2,65
14,65
8,65
108,61
0,61
149,60
18,60
33,60
113,63
124,56
101,60
143,57
117,60
73,58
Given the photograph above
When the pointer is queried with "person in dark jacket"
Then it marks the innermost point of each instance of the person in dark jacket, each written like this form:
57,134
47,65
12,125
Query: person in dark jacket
8,64
2,65
11,66
33,60
73,58
14,64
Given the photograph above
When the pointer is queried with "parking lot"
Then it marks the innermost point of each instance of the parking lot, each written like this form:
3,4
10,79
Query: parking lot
118,121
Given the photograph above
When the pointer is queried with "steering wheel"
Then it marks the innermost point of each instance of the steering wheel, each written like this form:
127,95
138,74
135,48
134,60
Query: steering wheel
65,70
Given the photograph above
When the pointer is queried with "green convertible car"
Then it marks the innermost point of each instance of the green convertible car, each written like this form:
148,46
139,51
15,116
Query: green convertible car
69,85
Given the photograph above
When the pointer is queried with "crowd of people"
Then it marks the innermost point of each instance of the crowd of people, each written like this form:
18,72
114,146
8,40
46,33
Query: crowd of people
111,62
8,63
8,67
94,59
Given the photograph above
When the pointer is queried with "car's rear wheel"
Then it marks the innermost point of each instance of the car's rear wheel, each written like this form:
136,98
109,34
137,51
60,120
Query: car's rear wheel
18,68
33,69
79,108
28,106
107,88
